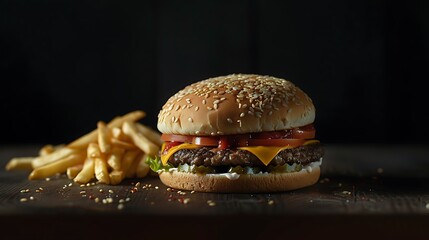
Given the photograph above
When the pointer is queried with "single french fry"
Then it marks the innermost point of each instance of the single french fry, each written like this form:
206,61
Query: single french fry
128,159
142,168
114,160
103,137
131,171
100,169
52,157
59,166
47,149
116,177
119,135
87,172
122,144
151,134
93,151
83,141
21,163
73,171
139,140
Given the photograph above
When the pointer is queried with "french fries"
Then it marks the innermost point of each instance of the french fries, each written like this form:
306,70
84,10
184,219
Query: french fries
139,139
57,166
103,138
23,163
109,154
87,172
72,172
142,168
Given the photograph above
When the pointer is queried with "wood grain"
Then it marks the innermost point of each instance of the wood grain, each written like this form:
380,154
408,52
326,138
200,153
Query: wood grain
351,187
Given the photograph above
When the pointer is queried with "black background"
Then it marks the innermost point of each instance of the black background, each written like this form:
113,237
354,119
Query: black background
64,65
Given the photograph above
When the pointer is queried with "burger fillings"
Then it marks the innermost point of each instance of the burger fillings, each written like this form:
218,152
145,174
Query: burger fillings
239,133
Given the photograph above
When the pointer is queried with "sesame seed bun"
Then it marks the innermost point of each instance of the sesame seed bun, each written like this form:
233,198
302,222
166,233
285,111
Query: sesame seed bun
273,182
234,104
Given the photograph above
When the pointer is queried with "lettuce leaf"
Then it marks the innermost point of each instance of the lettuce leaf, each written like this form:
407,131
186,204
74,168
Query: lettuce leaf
156,165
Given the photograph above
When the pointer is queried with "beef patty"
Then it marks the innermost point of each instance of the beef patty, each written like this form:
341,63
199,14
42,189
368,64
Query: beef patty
214,157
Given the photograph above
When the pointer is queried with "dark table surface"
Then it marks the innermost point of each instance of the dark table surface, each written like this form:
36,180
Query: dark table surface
364,191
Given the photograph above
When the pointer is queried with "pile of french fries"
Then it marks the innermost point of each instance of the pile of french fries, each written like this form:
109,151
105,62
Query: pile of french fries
109,154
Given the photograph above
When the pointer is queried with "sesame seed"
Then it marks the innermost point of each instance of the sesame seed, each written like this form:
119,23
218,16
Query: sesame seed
239,121
216,101
70,184
209,108
23,199
186,200
120,206
188,100
219,133
242,114
212,133
173,118
190,120
96,200
271,112
197,132
215,106
196,108
101,190
127,199
31,198
204,101
270,202
229,120
177,107
110,191
47,179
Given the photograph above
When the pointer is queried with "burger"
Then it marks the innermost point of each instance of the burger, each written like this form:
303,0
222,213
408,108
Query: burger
239,133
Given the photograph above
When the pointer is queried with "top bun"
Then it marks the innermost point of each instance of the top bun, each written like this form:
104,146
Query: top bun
236,104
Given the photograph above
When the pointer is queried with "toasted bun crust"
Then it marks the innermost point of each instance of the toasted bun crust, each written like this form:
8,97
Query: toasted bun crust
277,182
234,104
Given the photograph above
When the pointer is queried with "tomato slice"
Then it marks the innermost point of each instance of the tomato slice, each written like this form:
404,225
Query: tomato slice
304,133
206,141
176,138
276,142
292,137
168,145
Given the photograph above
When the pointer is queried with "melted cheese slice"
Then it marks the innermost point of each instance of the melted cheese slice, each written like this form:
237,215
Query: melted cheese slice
171,151
265,153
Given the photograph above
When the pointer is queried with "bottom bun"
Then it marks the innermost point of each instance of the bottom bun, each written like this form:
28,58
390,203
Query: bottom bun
274,182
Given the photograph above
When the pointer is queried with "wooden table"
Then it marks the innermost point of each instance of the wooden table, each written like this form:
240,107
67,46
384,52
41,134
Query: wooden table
364,191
